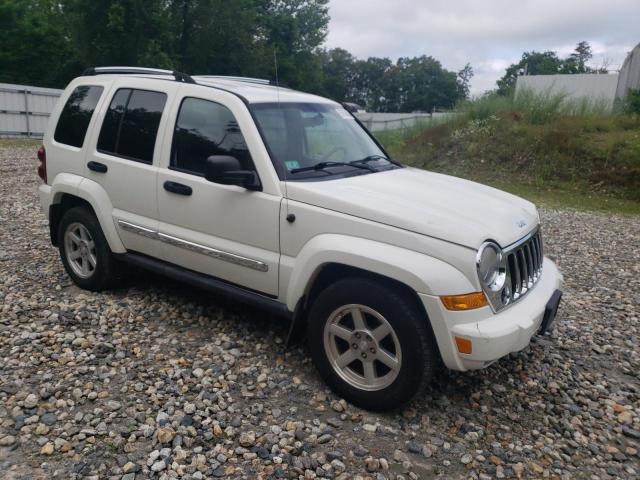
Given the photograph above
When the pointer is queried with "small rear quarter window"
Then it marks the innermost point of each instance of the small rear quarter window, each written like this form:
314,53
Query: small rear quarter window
76,115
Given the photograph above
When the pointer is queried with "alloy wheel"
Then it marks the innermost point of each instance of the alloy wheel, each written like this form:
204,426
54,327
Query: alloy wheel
80,250
362,347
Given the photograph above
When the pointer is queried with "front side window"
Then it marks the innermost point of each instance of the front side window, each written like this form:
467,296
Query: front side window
131,124
303,135
76,115
205,128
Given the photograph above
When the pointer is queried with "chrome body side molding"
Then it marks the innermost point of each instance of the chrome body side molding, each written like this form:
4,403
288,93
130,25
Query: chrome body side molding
214,253
195,247
138,230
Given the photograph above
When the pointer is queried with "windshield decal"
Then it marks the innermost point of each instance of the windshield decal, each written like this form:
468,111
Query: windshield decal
291,164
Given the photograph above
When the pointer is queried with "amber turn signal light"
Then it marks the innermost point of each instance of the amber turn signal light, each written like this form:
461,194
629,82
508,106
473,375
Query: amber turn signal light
464,345
468,301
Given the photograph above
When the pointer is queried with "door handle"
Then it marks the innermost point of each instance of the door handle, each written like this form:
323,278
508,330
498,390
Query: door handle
178,188
97,167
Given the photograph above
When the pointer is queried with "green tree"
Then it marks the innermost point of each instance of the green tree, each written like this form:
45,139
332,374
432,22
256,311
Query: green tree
338,67
418,84
118,32
215,37
548,63
464,80
294,30
35,49
577,61
48,42
632,101
369,83
531,63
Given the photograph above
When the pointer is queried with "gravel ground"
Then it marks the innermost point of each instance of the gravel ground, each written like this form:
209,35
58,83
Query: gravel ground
155,380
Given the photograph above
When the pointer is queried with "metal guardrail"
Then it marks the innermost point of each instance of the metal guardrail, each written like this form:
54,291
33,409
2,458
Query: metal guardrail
25,110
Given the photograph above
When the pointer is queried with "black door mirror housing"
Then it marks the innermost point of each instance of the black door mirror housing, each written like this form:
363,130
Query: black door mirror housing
227,170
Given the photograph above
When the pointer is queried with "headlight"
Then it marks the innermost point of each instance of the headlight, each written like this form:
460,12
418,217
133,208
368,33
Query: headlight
490,267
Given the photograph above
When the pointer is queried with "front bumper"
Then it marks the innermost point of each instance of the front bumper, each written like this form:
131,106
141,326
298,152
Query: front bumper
493,335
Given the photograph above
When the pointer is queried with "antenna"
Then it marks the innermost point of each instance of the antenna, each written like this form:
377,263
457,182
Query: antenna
290,218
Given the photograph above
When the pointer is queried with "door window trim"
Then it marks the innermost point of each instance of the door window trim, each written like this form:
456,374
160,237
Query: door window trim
126,106
173,137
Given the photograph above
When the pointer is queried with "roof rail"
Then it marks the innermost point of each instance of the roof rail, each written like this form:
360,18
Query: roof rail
179,76
260,81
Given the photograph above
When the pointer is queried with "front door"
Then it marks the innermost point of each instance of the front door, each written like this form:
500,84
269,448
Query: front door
224,231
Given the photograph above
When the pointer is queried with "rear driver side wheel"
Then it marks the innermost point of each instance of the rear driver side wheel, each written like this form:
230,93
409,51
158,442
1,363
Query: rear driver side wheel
84,250
371,343
80,250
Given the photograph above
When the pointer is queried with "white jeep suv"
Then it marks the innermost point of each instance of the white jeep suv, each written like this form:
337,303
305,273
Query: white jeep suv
284,200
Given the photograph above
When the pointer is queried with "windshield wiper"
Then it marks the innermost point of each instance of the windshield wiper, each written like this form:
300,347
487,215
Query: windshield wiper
373,158
323,165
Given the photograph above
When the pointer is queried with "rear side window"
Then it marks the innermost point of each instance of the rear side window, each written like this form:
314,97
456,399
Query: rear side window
131,124
206,128
76,115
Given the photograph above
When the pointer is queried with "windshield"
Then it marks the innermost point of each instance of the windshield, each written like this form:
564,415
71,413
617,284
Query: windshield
305,135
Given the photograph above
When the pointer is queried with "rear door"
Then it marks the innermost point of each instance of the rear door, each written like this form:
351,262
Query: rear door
124,157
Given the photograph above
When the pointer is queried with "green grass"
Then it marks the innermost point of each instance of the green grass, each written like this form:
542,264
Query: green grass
20,142
566,196
113,447
550,150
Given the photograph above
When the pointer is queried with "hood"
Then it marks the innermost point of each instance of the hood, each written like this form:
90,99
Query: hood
440,206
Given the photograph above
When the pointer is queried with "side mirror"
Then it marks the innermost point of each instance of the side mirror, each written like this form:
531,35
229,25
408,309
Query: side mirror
228,171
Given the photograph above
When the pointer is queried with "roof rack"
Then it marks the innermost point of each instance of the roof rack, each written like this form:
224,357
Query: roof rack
179,76
259,81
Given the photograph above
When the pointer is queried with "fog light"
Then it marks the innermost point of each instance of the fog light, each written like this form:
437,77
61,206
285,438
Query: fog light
506,295
464,345
468,301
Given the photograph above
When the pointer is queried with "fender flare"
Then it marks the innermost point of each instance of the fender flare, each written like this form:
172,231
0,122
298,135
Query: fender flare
420,272
93,193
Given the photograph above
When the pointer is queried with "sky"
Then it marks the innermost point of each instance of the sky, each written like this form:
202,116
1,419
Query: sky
489,34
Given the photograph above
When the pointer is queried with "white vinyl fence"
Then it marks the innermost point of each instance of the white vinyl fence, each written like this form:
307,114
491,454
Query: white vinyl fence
376,122
597,88
25,110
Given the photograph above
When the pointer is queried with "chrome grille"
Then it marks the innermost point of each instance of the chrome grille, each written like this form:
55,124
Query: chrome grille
524,265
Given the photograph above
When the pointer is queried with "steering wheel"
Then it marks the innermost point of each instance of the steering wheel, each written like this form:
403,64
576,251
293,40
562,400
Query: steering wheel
332,152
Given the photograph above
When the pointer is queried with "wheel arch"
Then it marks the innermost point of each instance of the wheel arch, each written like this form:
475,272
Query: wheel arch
324,260
63,202
69,192
330,273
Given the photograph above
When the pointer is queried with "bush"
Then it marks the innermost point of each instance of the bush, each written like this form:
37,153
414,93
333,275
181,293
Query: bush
632,103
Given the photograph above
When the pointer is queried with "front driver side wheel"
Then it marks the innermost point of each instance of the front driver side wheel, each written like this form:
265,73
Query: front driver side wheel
371,343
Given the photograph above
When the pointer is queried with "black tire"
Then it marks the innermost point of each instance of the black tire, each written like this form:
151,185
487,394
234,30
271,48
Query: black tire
106,269
420,356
